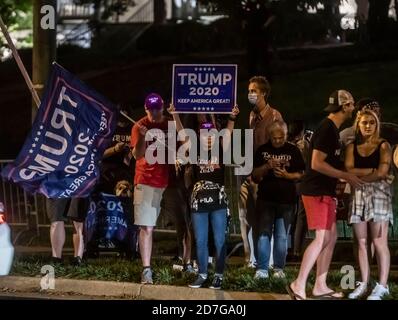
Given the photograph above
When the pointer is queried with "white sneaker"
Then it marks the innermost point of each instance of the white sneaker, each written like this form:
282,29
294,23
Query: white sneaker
379,292
261,274
146,276
278,274
359,292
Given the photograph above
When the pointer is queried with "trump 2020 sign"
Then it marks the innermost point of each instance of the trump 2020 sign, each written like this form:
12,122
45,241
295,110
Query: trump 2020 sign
204,88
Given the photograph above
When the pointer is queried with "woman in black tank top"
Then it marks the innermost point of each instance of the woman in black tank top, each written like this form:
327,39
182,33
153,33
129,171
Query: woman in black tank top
369,157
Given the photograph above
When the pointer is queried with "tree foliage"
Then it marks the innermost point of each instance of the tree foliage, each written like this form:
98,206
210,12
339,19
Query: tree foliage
11,11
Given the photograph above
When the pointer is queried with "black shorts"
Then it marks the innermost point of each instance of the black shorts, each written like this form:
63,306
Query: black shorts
62,209
175,206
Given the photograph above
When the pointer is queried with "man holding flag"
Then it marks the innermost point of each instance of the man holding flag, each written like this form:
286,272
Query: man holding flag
59,159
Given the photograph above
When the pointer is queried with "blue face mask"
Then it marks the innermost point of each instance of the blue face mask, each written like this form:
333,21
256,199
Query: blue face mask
252,97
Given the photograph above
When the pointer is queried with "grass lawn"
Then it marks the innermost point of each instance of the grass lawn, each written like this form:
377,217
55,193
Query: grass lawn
237,277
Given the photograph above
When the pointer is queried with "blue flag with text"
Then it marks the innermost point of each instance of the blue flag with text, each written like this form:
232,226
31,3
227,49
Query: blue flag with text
72,128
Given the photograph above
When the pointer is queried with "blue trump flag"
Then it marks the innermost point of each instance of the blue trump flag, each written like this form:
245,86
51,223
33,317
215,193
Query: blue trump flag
72,128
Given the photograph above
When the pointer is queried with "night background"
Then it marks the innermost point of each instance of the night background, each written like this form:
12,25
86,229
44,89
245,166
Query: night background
125,49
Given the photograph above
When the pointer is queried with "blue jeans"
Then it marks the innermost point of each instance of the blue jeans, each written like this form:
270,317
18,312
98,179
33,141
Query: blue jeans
277,224
218,221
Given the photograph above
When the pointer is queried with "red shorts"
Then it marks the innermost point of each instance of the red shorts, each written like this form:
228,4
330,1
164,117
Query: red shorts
320,212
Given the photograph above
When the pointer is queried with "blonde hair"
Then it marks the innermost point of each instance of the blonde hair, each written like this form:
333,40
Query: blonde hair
358,134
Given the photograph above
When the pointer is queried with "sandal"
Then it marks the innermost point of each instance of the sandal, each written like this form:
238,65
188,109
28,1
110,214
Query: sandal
292,294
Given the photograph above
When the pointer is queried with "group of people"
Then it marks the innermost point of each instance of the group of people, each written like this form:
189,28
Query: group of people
292,179
366,169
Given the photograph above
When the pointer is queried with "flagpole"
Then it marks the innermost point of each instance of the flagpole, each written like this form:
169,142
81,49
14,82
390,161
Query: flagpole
20,63
127,117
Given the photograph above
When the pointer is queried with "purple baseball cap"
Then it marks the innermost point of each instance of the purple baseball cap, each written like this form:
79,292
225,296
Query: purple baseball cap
207,125
153,101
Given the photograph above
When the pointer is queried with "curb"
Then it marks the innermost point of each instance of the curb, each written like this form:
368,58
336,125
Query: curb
131,290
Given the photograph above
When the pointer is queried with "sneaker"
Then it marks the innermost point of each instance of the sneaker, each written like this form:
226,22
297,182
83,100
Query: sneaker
146,276
261,274
359,292
252,264
77,261
188,268
216,284
378,292
198,282
278,274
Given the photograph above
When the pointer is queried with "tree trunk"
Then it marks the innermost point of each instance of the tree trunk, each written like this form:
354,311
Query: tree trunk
159,11
378,20
44,49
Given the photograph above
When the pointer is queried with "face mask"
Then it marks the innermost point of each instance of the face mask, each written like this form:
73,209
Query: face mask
252,97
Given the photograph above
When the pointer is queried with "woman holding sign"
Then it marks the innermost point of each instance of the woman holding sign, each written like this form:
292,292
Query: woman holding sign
209,202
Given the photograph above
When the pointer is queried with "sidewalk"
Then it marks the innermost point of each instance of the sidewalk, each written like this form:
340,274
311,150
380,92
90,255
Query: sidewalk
128,290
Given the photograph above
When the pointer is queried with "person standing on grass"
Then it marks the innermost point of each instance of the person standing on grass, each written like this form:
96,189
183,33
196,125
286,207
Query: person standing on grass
369,157
318,191
58,212
299,225
261,118
209,202
150,180
277,165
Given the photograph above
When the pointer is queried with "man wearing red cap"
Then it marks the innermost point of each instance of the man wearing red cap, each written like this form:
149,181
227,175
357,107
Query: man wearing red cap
150,179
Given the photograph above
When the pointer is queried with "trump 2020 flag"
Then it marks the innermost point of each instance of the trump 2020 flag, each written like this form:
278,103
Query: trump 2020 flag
72,128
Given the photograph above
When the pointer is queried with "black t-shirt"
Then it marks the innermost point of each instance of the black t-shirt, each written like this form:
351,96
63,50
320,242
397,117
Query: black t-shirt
119,166
326,139
276,189
208,183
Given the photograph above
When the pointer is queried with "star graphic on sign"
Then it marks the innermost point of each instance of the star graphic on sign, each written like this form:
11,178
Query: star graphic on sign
41,127
212,108
194,108
38,133
214,69
34,145
36,139
200,69
30,151
196,69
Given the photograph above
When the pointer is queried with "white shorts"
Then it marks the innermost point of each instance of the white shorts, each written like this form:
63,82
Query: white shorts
147,205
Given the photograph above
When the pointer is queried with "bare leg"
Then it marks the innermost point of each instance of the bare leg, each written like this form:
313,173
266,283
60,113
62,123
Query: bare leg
252,259
187,244
244,227
361,234
379,234
78,241
145,241
310,256
323,264
57,237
